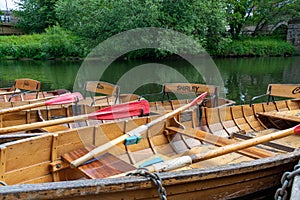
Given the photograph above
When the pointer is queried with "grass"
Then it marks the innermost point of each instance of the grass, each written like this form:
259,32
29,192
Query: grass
54,43
261,46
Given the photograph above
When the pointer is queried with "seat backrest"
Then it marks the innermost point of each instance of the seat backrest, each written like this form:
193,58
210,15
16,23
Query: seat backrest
190,88
27,84
279,90
101,87
284,90
23,86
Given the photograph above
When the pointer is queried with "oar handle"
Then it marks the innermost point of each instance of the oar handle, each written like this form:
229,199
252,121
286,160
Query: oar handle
24,107
169,165
244,144
55,100
187,160
101,149
135,132
25,127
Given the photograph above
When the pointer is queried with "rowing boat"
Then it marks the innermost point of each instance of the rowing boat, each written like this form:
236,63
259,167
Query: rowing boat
245,173
92,102
102,93
25,90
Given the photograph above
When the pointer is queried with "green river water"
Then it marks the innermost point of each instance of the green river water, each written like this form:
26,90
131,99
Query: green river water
241,77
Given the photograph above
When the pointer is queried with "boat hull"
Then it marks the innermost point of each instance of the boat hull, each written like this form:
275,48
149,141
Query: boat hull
223,182
46,175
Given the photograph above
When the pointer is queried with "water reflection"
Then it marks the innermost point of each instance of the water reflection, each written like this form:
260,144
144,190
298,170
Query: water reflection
243,78
248,77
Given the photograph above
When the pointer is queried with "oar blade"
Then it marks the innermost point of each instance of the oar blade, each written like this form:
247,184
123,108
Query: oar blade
200,98
297,129
65,99
119,111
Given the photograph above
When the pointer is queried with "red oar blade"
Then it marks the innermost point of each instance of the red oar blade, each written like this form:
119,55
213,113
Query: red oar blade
297,129
135,108
200,98
64,99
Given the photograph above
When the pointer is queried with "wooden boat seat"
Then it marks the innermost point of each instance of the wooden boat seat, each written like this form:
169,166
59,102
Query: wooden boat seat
124,98
252,152
26,86
56,128
279,90
105,165
111,91
189,89
289,115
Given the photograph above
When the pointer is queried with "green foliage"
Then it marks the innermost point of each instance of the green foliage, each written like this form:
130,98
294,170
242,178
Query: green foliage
262,46
55,43
268,12
238,13
101,19
35,15
260,14
98,20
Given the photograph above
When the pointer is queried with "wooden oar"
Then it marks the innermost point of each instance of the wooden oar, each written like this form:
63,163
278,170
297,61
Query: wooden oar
252,152
135,132
63,99
112,112
187,160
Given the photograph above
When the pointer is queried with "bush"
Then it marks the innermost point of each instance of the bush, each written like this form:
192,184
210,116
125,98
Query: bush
98,20
55,43
262,46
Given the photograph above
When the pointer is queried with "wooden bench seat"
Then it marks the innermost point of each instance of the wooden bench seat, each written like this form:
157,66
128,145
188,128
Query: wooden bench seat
103,166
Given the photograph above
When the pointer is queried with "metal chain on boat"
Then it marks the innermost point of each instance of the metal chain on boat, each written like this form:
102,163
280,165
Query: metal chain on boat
154,178
286,181
3,183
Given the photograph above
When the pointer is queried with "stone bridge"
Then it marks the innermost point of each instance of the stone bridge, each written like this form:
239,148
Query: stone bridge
293,35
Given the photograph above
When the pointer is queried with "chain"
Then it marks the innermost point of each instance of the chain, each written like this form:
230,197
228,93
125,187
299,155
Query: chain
154,178
3,183
286,182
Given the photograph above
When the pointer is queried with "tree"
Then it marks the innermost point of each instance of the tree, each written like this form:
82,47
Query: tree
271,12
259,13
101,19
238,13
35,15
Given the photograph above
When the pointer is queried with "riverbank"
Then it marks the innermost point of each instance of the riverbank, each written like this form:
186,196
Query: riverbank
262,46
59,44
53,44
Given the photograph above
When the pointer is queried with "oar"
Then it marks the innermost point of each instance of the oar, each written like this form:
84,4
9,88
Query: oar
113,112
187,160
63,99
135,132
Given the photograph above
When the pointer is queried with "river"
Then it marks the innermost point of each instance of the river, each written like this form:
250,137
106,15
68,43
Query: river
242,78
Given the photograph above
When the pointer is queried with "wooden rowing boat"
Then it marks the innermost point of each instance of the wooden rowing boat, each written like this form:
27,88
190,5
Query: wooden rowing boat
247,173
25,90
91,102
101,93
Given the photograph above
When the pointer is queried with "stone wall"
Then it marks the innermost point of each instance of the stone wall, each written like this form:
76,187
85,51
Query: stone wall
293,35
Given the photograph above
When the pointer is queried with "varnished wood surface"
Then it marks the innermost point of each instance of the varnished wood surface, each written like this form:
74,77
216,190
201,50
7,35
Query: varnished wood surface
102,166
284,90
289,115
211,179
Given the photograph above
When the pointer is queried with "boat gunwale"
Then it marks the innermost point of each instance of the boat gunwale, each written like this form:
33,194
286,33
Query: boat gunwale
65,189
97,186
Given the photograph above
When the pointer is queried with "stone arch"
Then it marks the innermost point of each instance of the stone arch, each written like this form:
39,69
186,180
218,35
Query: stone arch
279,25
